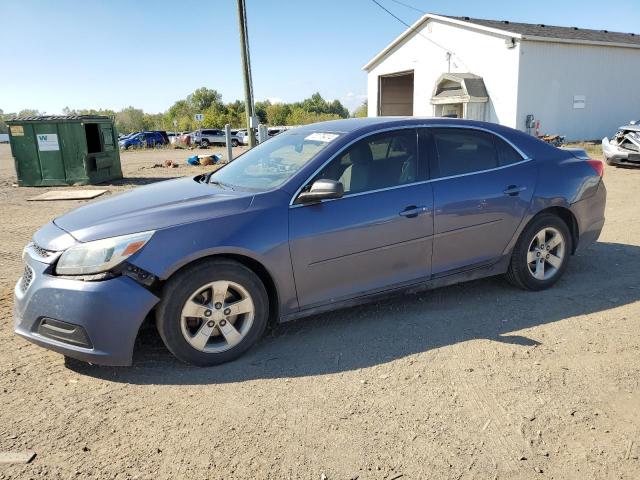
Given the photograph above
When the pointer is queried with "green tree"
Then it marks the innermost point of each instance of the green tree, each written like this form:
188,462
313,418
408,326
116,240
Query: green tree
3,125
29,112
277,113
203,98
362,110
300,116
260,110
317,104
129,120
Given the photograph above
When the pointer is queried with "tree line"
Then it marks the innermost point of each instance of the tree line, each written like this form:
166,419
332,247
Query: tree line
216,113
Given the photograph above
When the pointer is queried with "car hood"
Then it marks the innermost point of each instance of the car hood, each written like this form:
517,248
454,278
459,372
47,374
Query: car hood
153,207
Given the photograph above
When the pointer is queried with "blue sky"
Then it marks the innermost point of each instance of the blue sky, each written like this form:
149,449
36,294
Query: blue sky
112,54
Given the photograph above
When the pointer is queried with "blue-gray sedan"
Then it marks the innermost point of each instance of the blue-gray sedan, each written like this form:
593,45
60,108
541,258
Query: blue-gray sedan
320,217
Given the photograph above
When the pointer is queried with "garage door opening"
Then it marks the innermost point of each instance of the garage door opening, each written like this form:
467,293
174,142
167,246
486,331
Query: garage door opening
396,94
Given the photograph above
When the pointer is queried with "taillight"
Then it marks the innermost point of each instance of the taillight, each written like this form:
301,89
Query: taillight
597,165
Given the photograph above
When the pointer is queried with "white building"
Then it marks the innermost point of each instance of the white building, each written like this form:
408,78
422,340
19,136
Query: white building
575,82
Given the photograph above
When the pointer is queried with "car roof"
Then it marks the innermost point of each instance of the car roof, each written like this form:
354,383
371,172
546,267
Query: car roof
531,146
350,125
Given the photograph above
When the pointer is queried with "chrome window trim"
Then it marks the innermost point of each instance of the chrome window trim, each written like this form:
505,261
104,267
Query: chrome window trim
525,159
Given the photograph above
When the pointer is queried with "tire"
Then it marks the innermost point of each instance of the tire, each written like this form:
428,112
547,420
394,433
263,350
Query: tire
533,268
204,143
182,332
234,142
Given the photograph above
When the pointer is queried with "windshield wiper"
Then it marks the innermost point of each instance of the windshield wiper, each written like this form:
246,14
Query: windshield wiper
220,184
206,178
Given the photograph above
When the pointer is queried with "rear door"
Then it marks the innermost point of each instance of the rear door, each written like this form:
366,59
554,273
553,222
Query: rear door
482,188
220,137
378,235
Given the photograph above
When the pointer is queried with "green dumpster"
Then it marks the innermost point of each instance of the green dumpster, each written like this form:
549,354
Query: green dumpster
64,150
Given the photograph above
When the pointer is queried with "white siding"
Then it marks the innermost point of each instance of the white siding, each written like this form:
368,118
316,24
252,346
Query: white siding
551,74
484,54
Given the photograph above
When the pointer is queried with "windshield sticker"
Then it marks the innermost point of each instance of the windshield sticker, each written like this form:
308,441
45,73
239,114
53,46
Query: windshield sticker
321,137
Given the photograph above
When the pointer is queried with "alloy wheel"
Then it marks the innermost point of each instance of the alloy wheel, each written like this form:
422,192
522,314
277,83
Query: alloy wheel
546,253
217,316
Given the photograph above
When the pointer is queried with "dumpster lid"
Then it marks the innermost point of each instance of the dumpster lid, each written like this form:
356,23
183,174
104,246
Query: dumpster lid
58,118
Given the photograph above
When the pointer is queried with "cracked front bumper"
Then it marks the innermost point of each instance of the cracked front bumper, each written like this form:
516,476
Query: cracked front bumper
109,311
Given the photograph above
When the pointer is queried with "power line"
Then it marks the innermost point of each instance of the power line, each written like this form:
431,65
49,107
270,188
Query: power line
409,6
415,30
393,14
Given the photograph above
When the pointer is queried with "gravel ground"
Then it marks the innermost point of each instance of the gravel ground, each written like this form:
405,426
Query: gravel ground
478,380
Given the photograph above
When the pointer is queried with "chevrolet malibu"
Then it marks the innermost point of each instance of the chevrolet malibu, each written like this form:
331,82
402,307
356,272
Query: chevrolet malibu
320,217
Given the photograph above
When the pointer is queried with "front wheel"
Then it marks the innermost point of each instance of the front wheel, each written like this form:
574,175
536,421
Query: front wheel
212,312
204,143
234,142
541,254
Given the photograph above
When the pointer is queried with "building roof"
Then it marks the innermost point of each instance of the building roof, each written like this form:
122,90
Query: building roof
554,32
59,118
469,84
518,30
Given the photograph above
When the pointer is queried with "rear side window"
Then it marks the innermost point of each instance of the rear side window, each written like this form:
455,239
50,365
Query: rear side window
461,150
506,154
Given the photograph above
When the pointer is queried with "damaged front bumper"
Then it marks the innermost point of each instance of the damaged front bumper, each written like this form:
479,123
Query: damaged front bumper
624,147
96,322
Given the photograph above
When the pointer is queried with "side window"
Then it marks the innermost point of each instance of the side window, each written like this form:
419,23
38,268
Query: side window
461,150
506,154
380,161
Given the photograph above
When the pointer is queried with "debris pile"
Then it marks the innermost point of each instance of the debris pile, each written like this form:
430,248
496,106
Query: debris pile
204,159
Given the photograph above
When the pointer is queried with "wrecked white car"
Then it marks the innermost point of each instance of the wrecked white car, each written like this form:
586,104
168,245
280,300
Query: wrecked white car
624,147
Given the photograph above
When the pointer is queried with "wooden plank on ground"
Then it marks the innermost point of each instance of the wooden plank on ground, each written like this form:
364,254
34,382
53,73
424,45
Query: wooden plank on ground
16,457
66,195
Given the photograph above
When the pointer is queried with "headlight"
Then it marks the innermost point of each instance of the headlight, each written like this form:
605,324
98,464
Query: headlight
101,255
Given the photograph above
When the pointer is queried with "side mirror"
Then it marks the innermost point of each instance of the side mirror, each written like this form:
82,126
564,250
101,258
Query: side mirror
321,190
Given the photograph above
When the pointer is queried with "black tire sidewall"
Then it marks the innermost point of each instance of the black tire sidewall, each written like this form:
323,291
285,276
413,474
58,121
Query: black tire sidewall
519,267
180,287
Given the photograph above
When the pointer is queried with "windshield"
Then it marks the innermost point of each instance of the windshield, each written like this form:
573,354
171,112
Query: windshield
273,162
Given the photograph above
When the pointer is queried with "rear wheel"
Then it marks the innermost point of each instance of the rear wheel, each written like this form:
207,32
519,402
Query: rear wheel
234,142
212,312
541,254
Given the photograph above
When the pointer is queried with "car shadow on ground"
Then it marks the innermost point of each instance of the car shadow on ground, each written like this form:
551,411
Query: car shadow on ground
601,278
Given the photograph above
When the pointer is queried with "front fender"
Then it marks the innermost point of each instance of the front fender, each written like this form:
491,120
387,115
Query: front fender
257,233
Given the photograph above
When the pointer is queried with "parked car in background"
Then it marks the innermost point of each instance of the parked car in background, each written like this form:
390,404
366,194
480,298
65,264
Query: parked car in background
206,137
320,217
243,136
148,139
624,148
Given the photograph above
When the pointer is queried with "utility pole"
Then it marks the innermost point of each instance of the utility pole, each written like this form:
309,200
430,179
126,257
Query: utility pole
246,72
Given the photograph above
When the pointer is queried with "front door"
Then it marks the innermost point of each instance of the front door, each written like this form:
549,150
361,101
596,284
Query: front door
482,189
377,236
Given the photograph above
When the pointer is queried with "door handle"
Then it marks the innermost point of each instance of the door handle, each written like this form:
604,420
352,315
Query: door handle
412,211
513,190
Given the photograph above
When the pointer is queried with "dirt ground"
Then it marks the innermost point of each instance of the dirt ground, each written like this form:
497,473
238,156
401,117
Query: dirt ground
475,381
